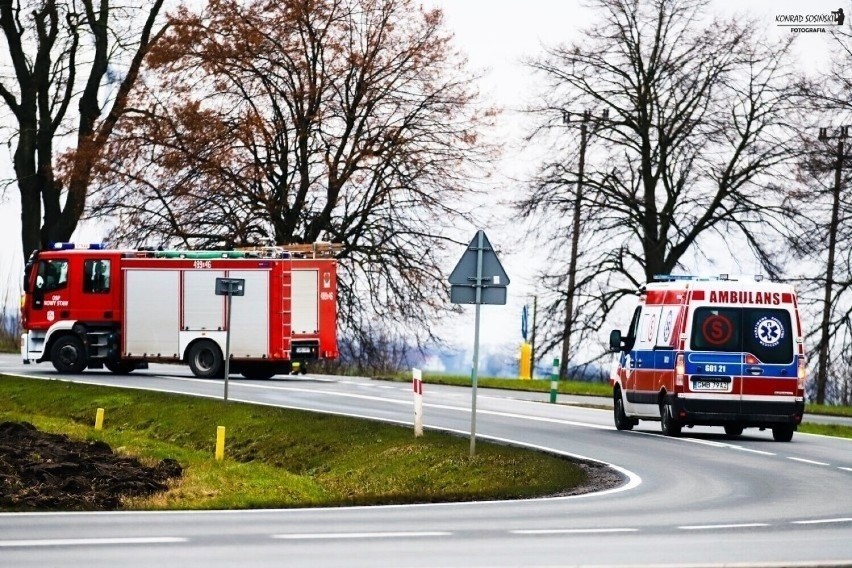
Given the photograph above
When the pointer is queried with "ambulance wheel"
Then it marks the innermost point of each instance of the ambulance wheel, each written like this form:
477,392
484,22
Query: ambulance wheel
205,360
68,354
783,433
669,425
120,367
622,422
733,430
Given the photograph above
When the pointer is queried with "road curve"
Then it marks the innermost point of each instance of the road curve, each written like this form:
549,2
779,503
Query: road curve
699,500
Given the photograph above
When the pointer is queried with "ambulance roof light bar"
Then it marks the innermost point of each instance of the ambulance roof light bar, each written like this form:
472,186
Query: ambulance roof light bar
692,277
75,246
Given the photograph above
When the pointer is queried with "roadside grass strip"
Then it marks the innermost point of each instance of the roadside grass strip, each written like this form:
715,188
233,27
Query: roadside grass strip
283,458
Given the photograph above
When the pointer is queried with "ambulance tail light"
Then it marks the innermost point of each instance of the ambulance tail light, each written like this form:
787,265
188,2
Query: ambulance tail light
23,311
802,372
680,371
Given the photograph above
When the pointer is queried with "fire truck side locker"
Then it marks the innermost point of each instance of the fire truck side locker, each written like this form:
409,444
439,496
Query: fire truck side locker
167,310
151,313
305,302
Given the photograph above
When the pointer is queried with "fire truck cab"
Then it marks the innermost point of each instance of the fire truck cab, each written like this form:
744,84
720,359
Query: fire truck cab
713,352
87,307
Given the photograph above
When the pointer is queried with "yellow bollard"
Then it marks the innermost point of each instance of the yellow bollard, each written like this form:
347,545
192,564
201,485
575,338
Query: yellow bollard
220,443
526,361
99,419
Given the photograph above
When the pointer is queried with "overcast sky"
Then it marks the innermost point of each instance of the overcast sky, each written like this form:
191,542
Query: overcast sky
496,35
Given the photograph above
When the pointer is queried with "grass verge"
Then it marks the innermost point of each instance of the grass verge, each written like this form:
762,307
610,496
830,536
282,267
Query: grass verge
839,430
581,388
828,409
283,458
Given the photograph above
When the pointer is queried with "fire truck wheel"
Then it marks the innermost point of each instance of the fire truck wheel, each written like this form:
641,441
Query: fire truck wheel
783,432
622,422
670,426
68,354
120,367
259,371
205,360
733,430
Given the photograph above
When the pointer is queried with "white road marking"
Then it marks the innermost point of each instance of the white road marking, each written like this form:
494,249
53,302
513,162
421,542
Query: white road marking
845,468
572,531
823,521
725,445
803,460
89,541
711,527
335,536
742,449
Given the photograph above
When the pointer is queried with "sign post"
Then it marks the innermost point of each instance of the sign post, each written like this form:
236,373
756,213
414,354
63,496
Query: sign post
478,279
229,287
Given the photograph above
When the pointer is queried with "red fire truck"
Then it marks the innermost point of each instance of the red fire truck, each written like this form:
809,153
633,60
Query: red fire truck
87,307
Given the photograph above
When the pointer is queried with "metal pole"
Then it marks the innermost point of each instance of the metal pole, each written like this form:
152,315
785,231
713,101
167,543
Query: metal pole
479,247
532,339
575,242
228,340
822,364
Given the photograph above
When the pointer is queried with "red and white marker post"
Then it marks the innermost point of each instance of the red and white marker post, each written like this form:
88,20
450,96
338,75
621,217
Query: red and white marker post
417,382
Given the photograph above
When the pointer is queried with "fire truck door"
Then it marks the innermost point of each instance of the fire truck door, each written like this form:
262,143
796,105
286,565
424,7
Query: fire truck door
51,298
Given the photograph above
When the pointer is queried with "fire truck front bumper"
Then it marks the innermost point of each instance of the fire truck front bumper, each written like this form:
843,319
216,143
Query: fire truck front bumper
32,346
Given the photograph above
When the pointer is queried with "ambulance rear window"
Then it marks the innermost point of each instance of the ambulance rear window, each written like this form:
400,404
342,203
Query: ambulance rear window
765,333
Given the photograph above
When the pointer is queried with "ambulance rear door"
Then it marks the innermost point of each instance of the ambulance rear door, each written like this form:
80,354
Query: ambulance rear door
714,363
769,379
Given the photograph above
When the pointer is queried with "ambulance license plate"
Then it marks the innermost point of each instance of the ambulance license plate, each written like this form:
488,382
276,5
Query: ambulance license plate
710,384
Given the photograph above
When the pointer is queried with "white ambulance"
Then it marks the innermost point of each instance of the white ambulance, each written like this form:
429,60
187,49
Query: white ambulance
713,352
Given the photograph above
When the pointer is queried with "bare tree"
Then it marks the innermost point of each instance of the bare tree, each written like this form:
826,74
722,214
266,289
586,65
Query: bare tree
695,143
825,223
285,122
62,52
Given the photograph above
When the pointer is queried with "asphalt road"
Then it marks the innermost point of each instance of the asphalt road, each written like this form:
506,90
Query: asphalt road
698,500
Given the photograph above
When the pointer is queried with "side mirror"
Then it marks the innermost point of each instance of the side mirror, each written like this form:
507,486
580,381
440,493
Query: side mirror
615,340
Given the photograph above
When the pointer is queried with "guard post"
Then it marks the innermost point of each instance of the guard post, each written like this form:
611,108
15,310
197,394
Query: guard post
554,379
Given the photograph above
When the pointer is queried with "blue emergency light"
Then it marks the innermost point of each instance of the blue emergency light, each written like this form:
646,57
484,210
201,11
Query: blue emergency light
75,246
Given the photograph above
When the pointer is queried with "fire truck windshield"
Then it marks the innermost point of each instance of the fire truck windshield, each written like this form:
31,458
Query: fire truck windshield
52,275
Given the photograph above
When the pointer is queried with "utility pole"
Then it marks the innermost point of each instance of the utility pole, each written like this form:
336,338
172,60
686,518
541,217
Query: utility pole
575,234
532,342
825,332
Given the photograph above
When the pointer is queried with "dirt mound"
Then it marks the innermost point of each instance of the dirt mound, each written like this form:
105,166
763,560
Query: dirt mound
41,471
